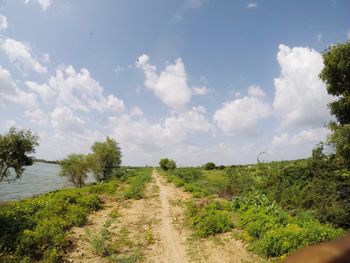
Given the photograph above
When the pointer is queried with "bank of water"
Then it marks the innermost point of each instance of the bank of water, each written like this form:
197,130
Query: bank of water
36,179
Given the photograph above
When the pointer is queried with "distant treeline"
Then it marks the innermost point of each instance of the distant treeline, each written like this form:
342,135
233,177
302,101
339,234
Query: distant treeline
47,161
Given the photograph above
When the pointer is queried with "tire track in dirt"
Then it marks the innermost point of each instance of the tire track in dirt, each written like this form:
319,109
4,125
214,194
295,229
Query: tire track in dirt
173,250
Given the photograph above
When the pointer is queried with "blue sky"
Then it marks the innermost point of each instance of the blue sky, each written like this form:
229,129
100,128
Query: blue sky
194,80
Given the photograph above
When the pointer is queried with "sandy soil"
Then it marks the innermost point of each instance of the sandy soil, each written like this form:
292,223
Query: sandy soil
155,227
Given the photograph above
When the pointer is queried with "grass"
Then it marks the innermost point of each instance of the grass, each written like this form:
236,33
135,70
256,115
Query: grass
137,184
247,203
36,228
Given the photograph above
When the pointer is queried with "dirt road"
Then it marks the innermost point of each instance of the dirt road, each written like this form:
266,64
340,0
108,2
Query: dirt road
153,229
173,250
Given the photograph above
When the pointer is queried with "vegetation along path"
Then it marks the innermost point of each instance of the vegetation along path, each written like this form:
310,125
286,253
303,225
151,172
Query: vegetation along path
150,229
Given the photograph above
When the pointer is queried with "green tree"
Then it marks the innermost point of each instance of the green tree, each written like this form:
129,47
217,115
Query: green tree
76,168
336,75
15,149
105,159
167,164
209,166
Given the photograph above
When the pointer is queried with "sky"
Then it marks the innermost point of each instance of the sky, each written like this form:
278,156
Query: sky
192,80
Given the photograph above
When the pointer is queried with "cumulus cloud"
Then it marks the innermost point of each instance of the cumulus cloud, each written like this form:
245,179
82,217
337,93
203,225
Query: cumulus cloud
21,55
256,91
241,116
36,116
200,91
136,112
46,58
77,90
305,137
10,93
170,85
252,5
43,3
140,134
3,22
301,97
65,122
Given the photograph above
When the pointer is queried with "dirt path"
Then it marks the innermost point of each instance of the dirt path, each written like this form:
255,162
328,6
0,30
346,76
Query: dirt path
153,230
173,250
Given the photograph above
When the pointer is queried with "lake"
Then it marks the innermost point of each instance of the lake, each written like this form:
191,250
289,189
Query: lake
36,179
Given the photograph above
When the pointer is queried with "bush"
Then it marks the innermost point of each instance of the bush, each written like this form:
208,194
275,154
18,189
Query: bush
274,232
137,185
209,166
35,228
212,218
167,164
187,174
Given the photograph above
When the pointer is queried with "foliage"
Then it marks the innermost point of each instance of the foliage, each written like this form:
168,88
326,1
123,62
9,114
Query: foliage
137,184
209,166
273,231
75,167
15,149
336,75
100,242
339,139
167,164
35,228
211,218
105,159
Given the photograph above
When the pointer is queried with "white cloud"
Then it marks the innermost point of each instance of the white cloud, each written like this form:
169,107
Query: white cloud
9,92
36,116
252,5
308,136
200,91
240,116
319,37
64,121
44,91
46,58
3,22
141,135
43,3
301,97
136,112
256,91
21,55
77,90
305,137
170,86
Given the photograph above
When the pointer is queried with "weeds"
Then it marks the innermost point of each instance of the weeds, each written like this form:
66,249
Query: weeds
137,184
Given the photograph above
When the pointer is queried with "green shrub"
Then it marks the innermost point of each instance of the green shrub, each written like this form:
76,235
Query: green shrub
209,166
137,184
214,217
274,232
35,228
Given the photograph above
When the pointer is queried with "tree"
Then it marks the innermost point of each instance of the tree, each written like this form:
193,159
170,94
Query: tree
15,149
167,164
209,166
76,168
336,75
105,159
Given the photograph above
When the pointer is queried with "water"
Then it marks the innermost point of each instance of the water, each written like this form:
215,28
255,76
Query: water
36,179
